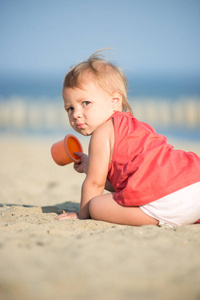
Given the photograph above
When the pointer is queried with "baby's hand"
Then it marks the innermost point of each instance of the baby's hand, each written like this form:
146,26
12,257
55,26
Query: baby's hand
64,216
83,165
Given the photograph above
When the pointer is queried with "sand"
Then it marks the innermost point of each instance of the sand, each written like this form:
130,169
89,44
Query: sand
41,258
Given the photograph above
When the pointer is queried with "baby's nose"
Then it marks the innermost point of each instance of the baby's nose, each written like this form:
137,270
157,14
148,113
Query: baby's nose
77,113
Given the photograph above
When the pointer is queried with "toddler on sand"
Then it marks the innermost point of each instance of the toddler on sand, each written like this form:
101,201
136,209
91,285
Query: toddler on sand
148,181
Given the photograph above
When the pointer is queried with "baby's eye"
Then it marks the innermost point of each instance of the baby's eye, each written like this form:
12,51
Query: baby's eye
85,103
69,109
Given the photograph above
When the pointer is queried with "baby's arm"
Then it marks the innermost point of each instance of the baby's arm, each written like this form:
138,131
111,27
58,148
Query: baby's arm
99,157
82,167
96,169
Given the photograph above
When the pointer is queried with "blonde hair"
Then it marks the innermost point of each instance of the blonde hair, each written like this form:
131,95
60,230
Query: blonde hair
109,76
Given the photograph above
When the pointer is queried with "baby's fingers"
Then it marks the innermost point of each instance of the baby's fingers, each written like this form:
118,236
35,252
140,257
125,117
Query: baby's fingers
65,216
79,154
79,167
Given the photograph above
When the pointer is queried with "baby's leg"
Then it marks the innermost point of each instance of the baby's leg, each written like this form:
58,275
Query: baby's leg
105,208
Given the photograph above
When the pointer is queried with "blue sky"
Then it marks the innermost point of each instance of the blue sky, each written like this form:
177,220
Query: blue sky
45,36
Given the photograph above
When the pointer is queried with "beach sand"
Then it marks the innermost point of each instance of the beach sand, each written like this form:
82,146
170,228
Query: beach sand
41,258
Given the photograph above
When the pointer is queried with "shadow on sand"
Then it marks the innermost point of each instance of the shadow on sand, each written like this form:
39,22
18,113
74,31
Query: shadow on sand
58,208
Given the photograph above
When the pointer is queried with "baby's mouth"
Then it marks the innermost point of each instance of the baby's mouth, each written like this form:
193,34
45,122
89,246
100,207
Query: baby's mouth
80,125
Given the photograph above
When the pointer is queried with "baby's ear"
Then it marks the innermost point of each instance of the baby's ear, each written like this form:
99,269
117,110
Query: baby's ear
117,101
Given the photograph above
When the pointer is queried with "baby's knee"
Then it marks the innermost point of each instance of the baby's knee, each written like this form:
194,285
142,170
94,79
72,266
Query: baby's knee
94,208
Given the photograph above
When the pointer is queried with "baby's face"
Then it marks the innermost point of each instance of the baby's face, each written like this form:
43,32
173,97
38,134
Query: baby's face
87,107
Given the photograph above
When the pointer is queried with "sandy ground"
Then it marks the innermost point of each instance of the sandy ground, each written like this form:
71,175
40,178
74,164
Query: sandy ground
41,258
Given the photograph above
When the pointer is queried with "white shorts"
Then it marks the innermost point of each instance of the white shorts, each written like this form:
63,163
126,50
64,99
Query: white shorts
179,208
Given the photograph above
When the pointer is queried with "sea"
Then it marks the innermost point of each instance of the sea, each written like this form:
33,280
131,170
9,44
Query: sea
168,102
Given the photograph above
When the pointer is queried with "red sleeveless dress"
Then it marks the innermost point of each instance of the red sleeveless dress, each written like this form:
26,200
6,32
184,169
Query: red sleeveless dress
144,168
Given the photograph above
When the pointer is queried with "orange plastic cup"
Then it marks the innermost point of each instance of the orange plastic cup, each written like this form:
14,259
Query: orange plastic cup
63,151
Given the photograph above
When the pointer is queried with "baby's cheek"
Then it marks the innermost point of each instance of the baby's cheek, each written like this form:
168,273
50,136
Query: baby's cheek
72,123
